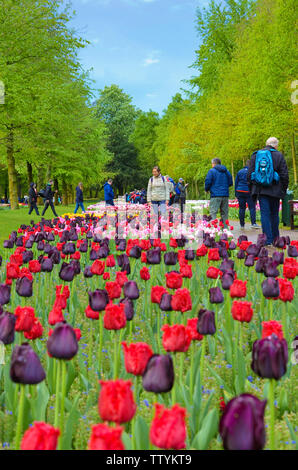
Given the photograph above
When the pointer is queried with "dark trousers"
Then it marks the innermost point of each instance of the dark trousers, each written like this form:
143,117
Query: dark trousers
33,206
110,202
269,217
243,199
46,206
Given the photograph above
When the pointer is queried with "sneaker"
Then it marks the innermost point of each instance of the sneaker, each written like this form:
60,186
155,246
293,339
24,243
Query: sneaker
242,227
255,226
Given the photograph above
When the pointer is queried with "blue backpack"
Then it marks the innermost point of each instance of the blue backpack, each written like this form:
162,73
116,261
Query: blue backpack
264,173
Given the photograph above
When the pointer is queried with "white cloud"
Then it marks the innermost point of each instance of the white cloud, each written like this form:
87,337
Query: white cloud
150,61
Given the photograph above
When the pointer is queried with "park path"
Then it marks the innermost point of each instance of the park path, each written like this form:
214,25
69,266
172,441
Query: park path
252,234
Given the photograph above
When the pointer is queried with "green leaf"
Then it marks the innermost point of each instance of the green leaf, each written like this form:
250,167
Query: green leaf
141,434
71,423
208,431
40,403
126,441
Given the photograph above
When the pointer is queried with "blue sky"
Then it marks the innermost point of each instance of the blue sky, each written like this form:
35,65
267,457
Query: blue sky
144,46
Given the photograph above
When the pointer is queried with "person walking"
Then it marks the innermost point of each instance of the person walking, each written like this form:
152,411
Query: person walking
33,199
79,198
218,181
268,180
180,196
109,193
243,195
158,192
48,198
171,185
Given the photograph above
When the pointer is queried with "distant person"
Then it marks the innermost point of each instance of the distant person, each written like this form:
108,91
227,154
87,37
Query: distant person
268,180
180,196
243,195
109,193
79,198
33,198
171,185
48,196
218,181
158,192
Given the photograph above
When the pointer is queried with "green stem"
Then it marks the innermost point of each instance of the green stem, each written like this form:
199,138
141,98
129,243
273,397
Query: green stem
174,386
20,418
90,349
100,319
202,358
63,393
191,377
57,393
271,309
271,407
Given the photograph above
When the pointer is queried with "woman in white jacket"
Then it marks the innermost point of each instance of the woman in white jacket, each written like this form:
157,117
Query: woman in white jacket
158,191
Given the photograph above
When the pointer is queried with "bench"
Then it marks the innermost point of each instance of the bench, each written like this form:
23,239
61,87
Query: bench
293,212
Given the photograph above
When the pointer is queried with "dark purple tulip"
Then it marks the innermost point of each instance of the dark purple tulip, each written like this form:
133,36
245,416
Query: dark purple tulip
227,280
206,322
55,256
64,237
46,265
73,236
224,236
223,253
103,252
158,376
181,242
241,254
67,272
63,344
292,251
153,256
122,259
253,250
263,252
226,264
29,244
261,240
1,260
75,263
165,303
83,247
209,242
24,287
135,252
287,239
50,237
279,242
278,257
98,299
40,245
128,308
93,255
4,294
7,325
270,357
270,288
170,258
242,425
260,265
27,256
250,260
242,238
19,241
126,267
8,244
232,245
69,248
47,248
216,295
270,269
121,246
190,255
87,272
89,235
25,366
131,290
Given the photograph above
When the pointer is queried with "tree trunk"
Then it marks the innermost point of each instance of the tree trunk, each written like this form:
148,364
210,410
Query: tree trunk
29,173
294,157
64,193
233,171
197,189
12,174
56,194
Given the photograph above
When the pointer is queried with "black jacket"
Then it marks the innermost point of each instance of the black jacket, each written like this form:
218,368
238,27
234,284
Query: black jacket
79,194
32,194
277,189
49,193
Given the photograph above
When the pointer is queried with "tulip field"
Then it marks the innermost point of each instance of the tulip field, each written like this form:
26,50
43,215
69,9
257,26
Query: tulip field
113,341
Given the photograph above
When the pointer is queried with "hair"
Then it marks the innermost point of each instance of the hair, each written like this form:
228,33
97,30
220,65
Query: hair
110,180
247,162
156,167
51,181
272,141
80,184
216,161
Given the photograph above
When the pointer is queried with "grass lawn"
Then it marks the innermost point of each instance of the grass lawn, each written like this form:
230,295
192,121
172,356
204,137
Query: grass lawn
11,220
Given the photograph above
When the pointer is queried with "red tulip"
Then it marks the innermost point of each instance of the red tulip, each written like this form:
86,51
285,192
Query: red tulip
55,316
157,293
213,254
25,318
181,300
145,274
106,276
41,436
104,437
91,313
36,330
176,338
174,280
286,290
34,266
213,272
202,251
116,401
114,318
110,261
168,428
242,311
136,356
192,329
98,267
113,289
272,327
121,278
238,288
186,271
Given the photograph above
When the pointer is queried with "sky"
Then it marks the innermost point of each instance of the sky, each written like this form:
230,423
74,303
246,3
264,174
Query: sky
143,46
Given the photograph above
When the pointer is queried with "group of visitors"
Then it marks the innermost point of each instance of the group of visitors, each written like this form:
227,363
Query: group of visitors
136,197
264,178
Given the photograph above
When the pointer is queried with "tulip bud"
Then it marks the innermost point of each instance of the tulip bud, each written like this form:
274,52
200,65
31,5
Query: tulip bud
270,357
215,295
7,327
206,322
25,366
98,300
270,288
4,294
130,290
63,344
158,376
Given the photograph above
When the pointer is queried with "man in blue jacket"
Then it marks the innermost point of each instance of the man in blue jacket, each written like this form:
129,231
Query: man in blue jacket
109,193
79,198
243,195
218,181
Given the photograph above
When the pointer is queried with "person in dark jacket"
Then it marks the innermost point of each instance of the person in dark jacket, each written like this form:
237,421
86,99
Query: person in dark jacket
48,198
79,198
109,193
218,181
33,198
269,196
243,195
180,196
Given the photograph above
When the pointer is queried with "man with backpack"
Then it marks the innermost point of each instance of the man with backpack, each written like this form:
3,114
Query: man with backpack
48,196
243,195
268,180
158,191
218,181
